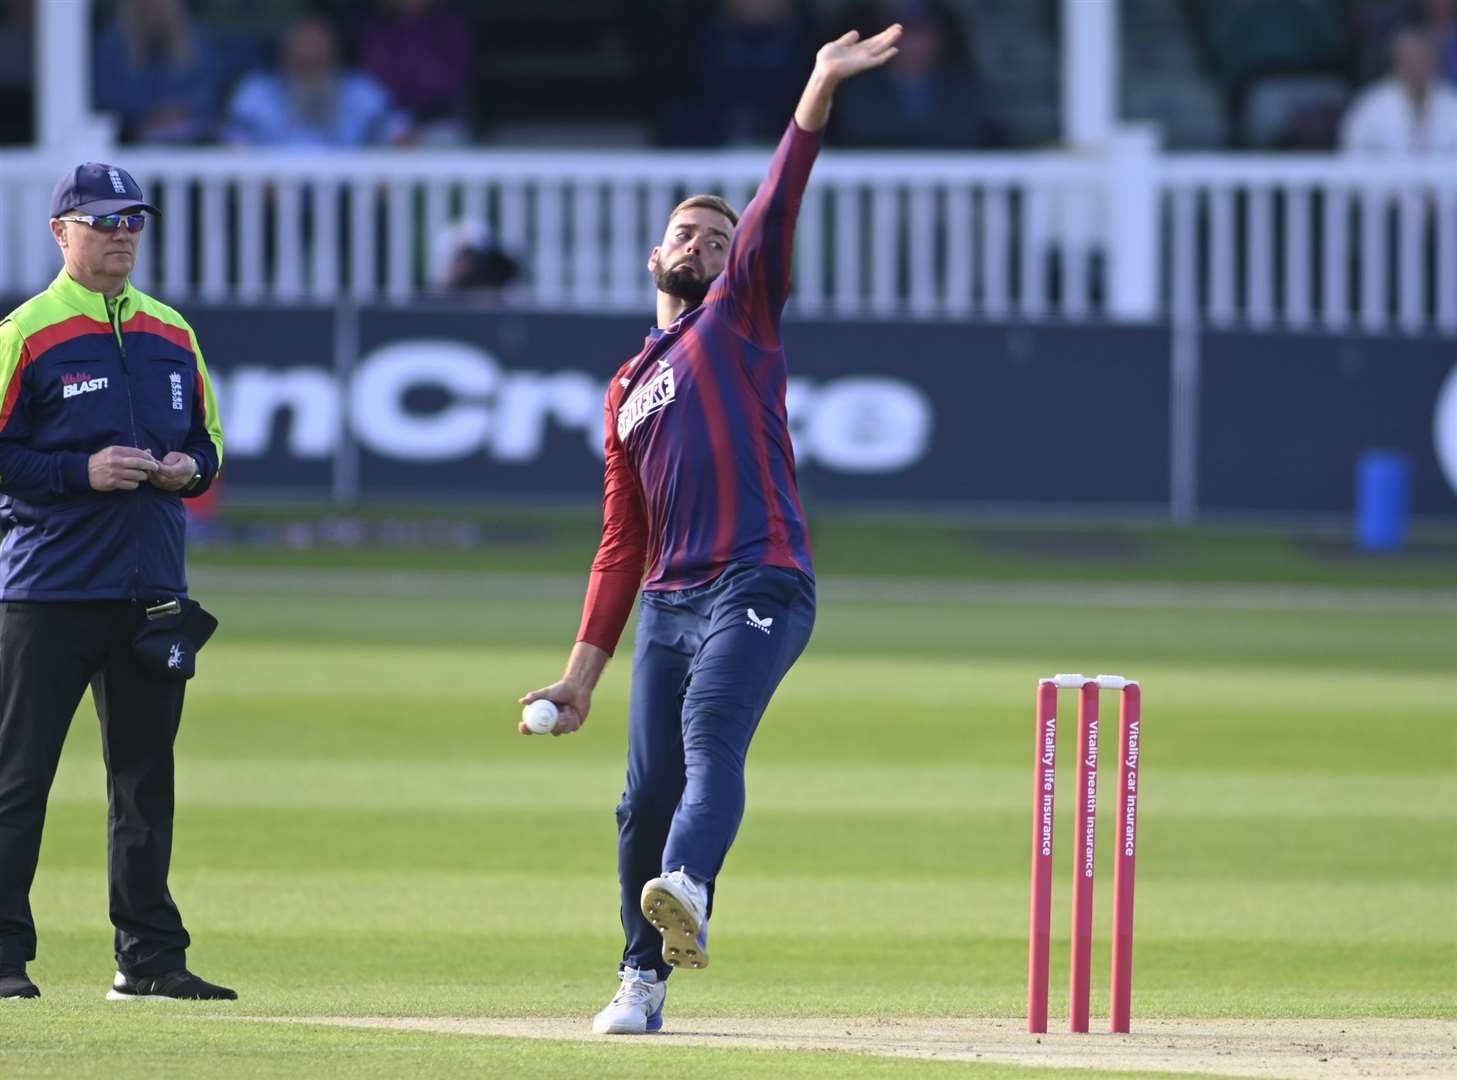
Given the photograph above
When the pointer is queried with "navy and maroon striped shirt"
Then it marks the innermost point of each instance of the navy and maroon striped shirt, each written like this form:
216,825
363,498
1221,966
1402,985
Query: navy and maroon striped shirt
700,468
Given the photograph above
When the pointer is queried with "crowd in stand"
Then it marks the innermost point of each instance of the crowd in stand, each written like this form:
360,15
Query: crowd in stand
401,75
1369,76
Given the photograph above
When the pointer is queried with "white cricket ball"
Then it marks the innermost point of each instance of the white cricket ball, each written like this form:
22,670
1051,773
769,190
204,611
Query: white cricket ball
540,717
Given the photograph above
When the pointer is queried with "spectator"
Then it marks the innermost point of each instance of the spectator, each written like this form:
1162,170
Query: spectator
755,56
17,70
160,73
1442,18
469,261
311,101
927,96
421,51
1373,23
1410,111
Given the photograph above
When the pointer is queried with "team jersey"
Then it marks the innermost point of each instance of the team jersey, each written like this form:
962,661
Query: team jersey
700,467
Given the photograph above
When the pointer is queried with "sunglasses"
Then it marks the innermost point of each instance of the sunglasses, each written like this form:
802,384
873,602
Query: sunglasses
111,222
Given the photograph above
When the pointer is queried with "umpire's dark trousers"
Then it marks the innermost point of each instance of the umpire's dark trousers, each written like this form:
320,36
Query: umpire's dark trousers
49,652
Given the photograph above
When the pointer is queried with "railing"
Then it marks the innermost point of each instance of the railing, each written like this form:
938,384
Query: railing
878,234
1312,242
1256,241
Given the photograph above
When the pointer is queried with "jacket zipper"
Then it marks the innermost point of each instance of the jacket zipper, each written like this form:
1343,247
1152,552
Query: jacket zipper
113,312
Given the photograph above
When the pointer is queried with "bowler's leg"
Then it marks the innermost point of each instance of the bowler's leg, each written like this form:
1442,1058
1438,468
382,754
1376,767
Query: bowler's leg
760,624
666,637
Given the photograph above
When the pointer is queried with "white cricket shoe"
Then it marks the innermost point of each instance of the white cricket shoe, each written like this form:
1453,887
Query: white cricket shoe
678,906
636,1008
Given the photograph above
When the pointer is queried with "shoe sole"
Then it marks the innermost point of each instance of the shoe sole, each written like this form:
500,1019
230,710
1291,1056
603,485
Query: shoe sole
678,927
654,1025
117,995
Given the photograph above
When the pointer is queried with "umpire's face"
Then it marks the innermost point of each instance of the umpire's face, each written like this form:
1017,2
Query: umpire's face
95,252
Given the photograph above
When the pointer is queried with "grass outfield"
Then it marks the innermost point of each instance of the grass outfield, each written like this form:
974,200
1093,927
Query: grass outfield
361,833
927,546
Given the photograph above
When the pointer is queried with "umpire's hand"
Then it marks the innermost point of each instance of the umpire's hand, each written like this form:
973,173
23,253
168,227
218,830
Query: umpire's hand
120,468
175,471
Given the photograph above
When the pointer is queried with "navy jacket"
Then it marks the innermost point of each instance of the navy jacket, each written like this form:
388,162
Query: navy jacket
80,375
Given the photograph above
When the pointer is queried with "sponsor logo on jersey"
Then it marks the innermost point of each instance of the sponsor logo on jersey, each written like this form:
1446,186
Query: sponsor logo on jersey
652,396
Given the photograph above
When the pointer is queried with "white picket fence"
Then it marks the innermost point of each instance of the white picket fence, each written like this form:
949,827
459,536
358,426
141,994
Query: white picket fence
1312,242
1309,242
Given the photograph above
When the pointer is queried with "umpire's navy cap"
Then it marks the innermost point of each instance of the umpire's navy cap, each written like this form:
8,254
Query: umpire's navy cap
94,188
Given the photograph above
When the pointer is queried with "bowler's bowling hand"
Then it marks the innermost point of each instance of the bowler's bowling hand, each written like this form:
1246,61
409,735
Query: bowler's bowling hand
120,468
848,55
841,59
573,702
176,471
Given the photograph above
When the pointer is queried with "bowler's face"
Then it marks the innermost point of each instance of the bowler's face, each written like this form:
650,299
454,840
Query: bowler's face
695,244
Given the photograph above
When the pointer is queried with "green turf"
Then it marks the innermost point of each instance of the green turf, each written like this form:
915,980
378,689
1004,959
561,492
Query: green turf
941,546
359,824
74,1047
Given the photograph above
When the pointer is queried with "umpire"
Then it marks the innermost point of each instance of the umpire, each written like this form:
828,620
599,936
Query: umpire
107,422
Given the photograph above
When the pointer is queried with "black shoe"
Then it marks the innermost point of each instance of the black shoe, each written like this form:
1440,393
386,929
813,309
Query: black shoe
17,985
179,985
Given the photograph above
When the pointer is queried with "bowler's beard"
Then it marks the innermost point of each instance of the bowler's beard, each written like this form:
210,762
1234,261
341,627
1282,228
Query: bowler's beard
683,283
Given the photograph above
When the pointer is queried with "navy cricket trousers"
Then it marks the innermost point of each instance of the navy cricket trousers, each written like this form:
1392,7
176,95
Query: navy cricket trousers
706,663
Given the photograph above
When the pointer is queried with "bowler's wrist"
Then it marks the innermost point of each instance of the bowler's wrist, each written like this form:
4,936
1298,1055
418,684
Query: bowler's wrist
813,112
822,82
585,666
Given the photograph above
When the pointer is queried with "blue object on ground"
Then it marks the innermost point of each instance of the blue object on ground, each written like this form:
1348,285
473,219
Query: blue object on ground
1383,500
